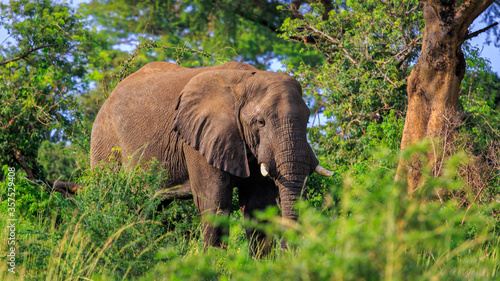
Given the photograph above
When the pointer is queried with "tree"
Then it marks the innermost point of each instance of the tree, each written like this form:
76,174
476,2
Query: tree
371,48
234,30
42,70
434,83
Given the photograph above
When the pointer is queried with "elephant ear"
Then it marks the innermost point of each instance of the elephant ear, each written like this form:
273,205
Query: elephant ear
207,119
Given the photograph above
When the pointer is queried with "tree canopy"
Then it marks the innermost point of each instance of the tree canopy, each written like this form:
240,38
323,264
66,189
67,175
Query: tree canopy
43,68
241,30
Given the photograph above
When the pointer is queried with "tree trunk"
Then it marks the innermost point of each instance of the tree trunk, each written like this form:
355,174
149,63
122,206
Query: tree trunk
434,83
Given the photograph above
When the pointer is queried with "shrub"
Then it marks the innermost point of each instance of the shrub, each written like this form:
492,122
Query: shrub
112,227
376,232
367,229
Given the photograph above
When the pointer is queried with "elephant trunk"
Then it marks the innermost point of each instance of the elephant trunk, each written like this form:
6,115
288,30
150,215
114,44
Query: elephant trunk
295,161
290,191
291,184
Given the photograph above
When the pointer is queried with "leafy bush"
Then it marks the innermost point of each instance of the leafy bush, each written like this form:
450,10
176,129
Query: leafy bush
61,162
376,232
118,211
112,226
32,201
368,228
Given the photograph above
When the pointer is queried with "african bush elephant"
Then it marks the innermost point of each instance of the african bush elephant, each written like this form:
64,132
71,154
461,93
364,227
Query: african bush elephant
214,128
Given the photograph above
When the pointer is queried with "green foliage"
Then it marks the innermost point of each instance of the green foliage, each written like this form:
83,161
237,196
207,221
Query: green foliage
41,73
32,202
374,231
377,232
112,227
119,213
478,128
61,162
351,156
239,30
369,46
480,100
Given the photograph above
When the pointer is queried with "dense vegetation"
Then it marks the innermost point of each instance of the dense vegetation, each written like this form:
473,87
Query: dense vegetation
352,59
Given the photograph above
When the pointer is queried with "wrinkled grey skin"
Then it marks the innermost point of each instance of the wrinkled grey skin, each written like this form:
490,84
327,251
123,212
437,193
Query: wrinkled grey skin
212,127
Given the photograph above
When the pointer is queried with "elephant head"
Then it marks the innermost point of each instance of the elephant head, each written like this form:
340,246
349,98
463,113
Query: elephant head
232,116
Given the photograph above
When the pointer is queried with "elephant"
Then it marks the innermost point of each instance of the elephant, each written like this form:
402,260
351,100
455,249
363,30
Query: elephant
213,128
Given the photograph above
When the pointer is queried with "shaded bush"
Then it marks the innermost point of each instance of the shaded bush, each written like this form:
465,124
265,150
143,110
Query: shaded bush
61,162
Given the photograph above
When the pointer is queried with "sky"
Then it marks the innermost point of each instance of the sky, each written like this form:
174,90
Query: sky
489,52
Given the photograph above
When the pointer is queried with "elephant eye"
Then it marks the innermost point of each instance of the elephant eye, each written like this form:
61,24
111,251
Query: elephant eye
261,121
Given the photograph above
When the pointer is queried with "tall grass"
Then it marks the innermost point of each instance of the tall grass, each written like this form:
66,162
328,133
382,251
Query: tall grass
376,231
112,228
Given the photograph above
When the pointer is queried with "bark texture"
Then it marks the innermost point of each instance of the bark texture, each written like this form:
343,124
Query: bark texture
434,83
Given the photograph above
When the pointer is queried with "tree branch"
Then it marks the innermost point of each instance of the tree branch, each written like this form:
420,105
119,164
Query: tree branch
294,7
27,53
67,189
476,33
470,10
262,22
336,42
22,162
407,51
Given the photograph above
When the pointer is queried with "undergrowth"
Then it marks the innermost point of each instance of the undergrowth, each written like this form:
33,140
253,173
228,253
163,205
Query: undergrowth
369,228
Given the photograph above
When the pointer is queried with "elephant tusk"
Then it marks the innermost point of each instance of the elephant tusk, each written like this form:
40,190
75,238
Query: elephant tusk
264,169
322,171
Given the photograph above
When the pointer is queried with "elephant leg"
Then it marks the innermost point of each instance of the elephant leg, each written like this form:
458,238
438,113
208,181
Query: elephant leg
257,194
212,194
